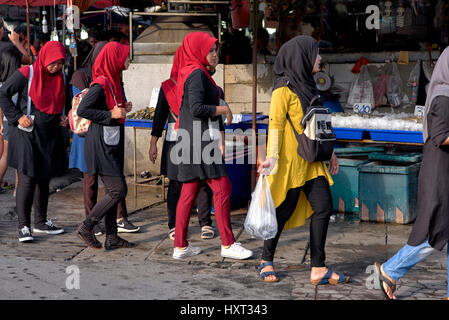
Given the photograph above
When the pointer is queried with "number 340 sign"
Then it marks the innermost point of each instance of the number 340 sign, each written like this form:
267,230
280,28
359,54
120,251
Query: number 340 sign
362,107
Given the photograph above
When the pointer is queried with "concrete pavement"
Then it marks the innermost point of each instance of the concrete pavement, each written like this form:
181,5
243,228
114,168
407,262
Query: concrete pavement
62,267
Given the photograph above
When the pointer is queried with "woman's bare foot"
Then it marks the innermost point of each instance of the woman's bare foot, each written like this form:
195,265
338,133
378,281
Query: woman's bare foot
389,291
266,269
318,273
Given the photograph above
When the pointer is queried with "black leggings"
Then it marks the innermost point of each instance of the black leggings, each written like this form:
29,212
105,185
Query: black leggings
318,193
203,203
107,206
32,192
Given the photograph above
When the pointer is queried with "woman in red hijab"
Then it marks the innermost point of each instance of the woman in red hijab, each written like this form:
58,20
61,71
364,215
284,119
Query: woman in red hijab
167,109
105,106
36,143
198,151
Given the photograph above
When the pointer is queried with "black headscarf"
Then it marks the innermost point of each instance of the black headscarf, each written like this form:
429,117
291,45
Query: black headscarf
294,65
9,62
83,76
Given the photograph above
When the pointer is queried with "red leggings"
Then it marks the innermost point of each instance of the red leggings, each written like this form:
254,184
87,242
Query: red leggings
222,205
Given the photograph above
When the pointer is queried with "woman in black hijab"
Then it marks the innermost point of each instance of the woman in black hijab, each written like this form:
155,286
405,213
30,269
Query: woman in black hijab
9,63
300,189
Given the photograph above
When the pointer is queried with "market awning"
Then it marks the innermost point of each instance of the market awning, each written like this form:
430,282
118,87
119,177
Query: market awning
82,4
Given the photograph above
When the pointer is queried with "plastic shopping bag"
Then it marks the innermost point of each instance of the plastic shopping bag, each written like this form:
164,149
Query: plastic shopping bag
261,220
394,87
361,90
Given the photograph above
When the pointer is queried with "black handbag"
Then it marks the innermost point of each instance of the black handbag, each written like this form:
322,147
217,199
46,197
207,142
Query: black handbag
317,141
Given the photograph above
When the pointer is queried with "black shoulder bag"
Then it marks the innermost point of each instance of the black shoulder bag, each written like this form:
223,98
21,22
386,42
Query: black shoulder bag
317,141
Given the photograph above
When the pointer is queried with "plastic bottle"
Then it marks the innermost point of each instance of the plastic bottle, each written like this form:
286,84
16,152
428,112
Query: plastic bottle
73,46
44,23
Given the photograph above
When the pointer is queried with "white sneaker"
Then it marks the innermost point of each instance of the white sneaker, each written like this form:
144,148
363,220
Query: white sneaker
236,251
187,252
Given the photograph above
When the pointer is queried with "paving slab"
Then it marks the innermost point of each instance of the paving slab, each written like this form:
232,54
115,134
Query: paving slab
149,269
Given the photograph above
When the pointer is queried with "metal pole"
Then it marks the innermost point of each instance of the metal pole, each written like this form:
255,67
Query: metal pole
135,163
28,31
253,140
131,35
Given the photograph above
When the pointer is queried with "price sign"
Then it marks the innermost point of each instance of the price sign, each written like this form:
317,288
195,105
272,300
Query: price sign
419,111
237,118
362,107
154,97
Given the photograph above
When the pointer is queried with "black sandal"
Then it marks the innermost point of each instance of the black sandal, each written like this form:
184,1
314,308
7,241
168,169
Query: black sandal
381,279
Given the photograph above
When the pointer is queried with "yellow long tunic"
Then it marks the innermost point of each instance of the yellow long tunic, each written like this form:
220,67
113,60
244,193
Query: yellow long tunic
291,171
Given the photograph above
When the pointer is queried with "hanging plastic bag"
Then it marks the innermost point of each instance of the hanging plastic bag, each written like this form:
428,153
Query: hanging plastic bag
394,86
413,81
261,220
361,89
380,91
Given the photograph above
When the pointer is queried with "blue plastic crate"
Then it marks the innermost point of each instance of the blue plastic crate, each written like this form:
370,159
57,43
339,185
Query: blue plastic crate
139,123
349,134
396,136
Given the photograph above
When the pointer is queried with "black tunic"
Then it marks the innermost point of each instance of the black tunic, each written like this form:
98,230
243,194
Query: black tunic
104,147
198,107
40,153
162,115
432,220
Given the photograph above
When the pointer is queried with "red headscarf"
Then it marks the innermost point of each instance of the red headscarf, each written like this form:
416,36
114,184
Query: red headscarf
193,53
107,70
47,91
169,85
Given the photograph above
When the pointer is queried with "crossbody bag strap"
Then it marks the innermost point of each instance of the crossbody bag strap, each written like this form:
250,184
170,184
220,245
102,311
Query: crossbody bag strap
30,78
293,127
112,91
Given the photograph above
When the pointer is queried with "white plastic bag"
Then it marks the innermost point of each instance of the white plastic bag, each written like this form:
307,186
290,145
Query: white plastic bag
394,86
261,220
361,90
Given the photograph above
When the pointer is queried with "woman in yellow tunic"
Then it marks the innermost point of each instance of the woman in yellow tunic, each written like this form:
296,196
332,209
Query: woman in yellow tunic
300,189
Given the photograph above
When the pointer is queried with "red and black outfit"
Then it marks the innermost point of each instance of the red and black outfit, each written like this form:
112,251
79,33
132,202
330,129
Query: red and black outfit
198,96
40,154
167,110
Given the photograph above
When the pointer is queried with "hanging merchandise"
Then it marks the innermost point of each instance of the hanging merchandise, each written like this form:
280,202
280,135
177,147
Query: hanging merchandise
400,16
361,62
388,20
380,90
361,91
54,35
394,86
44,22
413,80
73,49
405,17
